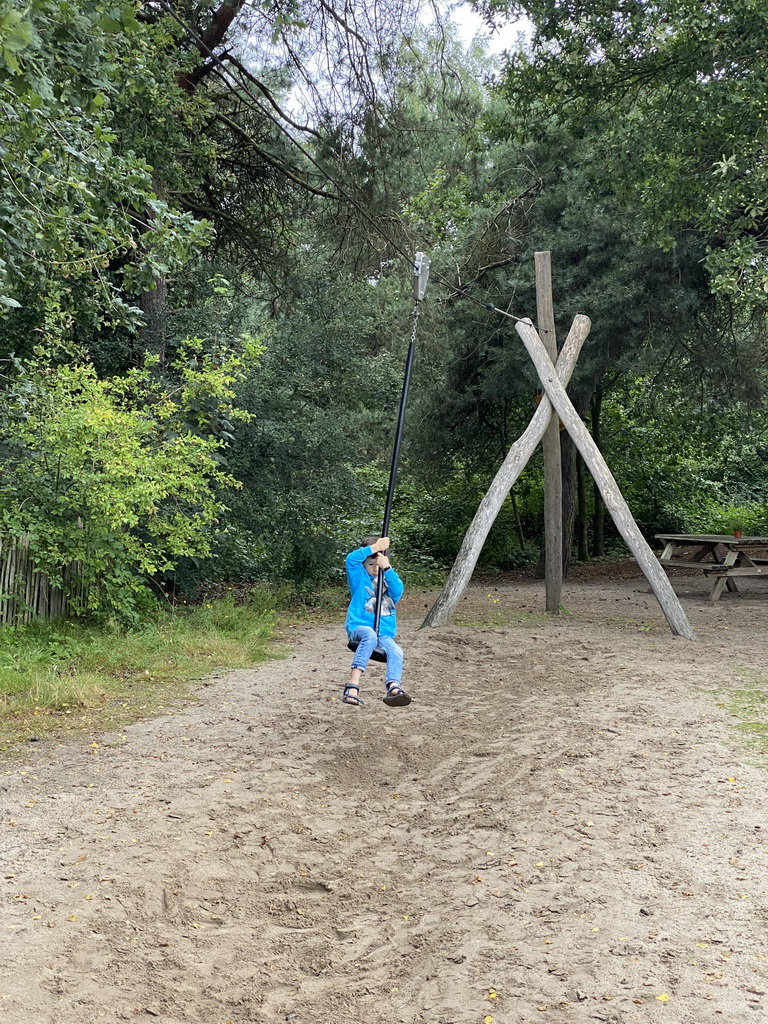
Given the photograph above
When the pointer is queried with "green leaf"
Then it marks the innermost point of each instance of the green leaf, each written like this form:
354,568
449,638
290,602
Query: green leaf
16,33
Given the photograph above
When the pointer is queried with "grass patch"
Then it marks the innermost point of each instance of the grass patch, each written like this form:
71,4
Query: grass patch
749,705
66,676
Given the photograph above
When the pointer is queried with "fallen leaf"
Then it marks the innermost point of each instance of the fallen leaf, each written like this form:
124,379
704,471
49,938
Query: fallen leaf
663,998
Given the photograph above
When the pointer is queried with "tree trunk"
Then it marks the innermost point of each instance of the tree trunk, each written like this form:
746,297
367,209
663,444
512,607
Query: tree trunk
154,306
569,455
541,561
598,519
207,40
568,461
582,533
571,463
518,520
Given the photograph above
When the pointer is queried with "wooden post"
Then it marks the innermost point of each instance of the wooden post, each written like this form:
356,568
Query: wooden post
553,473
461,572
612,496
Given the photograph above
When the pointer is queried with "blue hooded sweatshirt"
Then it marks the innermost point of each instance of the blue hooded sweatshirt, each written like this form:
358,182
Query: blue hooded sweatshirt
362,589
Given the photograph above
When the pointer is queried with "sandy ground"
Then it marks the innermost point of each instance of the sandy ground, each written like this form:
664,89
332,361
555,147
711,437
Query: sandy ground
563,827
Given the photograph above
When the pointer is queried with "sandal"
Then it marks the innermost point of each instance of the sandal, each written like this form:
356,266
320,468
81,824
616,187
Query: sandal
396,696
353,699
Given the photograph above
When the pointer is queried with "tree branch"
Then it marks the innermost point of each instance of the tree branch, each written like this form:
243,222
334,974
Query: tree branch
269,97
272,161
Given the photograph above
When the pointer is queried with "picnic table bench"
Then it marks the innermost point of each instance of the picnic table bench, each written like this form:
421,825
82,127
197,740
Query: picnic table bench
721,556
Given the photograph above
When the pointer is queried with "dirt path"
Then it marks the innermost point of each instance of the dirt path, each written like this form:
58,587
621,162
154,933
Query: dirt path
561,828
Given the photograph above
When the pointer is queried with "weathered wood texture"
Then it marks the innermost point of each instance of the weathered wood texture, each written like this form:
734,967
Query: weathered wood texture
609,489
26,592
553,470
441,611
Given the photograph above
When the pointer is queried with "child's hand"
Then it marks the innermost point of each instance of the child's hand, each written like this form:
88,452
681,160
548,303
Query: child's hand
380,545
383,562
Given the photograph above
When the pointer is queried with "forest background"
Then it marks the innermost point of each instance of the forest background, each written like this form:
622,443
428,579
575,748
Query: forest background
208,219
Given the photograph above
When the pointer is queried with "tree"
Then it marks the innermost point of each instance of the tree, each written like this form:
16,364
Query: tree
678,91
111,482
74,231
323,403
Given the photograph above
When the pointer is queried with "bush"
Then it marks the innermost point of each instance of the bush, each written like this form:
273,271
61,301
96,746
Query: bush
751,519
116,477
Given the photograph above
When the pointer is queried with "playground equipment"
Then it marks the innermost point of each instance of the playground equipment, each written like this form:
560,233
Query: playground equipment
554,375
420,277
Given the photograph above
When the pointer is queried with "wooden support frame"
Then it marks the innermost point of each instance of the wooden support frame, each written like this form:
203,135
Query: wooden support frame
609,489
550,445
441,611
553,379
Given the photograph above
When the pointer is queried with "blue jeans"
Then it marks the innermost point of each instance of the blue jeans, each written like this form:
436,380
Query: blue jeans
366,639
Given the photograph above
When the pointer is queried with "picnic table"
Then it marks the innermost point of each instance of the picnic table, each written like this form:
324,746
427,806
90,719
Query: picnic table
721,556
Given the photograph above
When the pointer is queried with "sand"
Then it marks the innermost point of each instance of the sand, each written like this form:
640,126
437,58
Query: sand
564,826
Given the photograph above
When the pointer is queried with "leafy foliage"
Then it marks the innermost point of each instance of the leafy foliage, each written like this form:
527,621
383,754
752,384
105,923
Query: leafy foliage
126,147
323,401
677,90
81,223
118,476
685,467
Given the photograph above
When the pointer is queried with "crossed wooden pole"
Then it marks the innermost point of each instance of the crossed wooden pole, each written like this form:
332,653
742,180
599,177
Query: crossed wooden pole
554,378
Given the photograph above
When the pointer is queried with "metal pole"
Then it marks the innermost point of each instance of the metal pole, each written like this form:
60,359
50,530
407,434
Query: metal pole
420,277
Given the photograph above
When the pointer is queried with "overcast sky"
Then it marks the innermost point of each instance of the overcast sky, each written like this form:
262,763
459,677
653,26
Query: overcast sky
471,24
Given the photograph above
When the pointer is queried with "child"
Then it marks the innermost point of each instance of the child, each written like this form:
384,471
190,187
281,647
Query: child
363,568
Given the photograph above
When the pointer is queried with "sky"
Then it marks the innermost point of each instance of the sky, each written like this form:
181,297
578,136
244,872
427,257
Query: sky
471,24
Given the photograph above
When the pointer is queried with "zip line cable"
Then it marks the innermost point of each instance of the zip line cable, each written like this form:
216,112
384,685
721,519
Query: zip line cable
225,72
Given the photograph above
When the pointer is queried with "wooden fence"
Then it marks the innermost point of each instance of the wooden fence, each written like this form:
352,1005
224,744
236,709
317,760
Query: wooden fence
26,593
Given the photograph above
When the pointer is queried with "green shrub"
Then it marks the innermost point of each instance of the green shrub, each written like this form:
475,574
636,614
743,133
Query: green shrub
751,519
118,477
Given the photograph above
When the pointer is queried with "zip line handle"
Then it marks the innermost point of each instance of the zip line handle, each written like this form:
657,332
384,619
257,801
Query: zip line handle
420,275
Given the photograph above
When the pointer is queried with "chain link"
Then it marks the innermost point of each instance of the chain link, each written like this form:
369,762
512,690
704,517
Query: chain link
415,320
